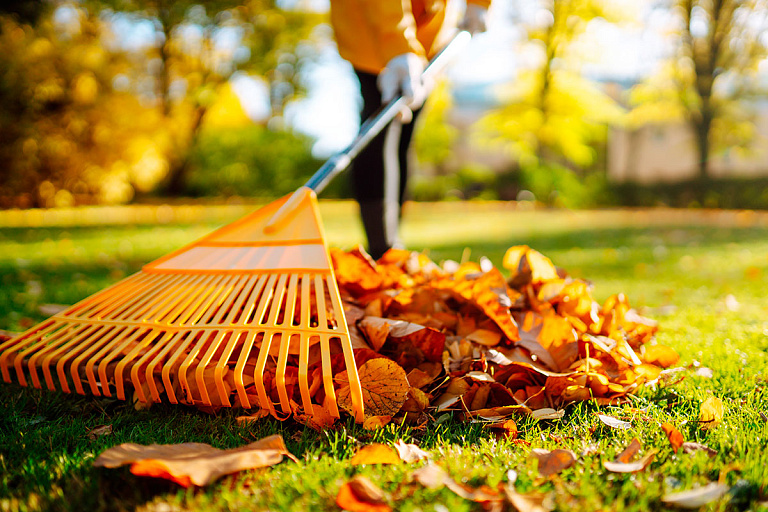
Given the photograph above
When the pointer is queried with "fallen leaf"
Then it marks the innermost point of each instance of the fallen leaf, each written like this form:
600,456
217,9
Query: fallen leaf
508,427
629,452
384,385
676,439
711,413
361,495
630,467
375,453
410,452
193,463
258,415
707,373
660,355
547,413
614,422
698,497
430,476
101,430
533,502
376,422
553,462
691,447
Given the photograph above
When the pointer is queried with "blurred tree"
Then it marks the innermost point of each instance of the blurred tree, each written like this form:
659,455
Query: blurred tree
712,73
196,48
65,135
554,115
434,139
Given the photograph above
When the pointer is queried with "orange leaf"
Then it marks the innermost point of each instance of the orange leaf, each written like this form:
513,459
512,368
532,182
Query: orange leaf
384,384
410,452
676,439
361,495
660,355
375,454
193,463
551,463
629,452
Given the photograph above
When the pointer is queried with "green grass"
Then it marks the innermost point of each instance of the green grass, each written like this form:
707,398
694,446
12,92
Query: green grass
678,267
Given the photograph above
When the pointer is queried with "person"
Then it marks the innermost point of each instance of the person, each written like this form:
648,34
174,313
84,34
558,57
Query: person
388,43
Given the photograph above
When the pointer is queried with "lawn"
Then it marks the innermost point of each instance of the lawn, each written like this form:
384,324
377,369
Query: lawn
701,274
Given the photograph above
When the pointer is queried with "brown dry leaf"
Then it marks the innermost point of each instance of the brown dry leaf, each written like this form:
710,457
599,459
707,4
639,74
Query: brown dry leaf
193,463
433,476
691,447
376,422
676,439
410,452
548,413
258,415
508,428
660,355
361,495
711,413
101,430
553,462
696,498
384,384
375,454
533,502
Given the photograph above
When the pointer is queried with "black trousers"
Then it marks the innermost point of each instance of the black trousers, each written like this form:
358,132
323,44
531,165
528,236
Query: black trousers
370,168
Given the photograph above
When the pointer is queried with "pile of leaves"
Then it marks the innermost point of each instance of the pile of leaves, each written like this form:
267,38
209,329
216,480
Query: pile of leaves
464,337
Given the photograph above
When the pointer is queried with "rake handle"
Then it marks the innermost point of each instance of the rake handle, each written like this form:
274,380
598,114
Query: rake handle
369,129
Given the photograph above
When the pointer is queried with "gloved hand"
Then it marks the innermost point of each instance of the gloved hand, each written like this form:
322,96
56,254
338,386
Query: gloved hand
403,75
474,19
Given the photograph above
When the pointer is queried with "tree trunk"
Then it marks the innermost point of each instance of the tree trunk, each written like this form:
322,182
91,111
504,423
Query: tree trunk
179,169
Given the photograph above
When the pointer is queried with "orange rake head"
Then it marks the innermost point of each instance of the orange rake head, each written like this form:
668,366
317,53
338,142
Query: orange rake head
243,317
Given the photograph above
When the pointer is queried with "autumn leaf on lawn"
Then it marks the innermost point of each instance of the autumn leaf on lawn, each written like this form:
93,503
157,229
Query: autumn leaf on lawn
433,476
193,463
614,422
376,422
375,453
533,502
660,355
691,447
623,462
553,462
711,413
384,384
696,498
410,452
362,495
101,430
676,439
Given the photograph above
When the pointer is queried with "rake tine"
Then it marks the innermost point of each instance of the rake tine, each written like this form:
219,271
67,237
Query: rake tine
304,347
285,343
89,329
151,336
191,356
245,352
41,344
222,365
22,341
111,333
104,362
203,363
60,364
188,338
150,359
330,394
258,374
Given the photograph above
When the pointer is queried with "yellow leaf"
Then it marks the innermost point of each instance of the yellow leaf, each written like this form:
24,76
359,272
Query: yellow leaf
375,454
711,413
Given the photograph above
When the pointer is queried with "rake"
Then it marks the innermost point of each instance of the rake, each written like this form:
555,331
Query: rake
242,317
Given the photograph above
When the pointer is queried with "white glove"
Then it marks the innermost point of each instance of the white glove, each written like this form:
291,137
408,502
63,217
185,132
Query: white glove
474,19
403,75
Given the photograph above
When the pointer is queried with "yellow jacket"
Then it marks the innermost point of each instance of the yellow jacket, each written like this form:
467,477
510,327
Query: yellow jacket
370,32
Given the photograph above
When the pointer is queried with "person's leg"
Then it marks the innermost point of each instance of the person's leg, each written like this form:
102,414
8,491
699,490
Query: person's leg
368,178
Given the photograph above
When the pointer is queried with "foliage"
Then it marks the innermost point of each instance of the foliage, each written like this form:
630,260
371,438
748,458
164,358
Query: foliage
251,161
101,100
733,193
58,145
711,76
434,138
554,114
